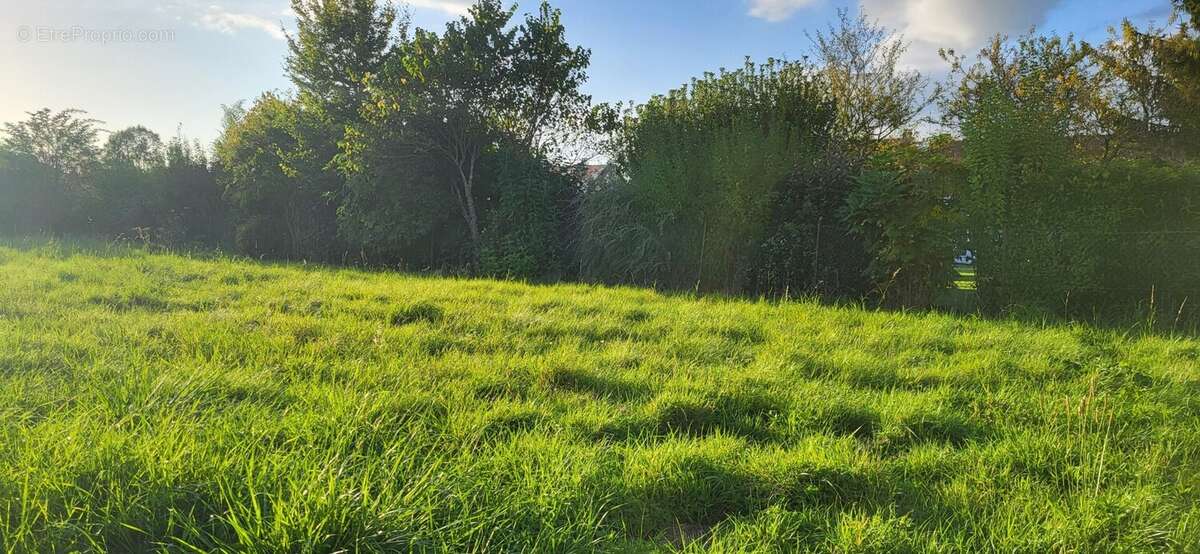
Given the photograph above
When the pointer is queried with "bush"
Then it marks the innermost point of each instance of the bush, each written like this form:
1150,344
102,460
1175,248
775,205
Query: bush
282,192
1025,204
1151,243
905,206
807,246
698,173
400,212
1056,232
33,197
526,234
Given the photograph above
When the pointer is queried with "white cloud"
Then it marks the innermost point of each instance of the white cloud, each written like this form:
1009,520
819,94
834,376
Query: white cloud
218,19
963,25
777,10
452,7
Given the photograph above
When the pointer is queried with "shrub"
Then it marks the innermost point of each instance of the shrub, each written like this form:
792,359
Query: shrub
698,172
1025,204
807,246
280,191
33,197
905,207
526,234
1056,232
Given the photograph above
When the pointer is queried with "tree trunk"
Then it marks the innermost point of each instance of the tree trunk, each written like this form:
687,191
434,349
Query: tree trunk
467,202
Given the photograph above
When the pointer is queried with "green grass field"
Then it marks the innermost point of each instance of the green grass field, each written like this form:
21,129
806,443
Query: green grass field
157,402
964,277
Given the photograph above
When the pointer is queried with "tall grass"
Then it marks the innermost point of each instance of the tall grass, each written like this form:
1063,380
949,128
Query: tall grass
155,402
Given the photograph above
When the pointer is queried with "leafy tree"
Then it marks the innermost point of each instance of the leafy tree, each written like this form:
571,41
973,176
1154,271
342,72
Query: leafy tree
398,209
127,187
1054,225
1046,72
448,100
337,44
136,146
64,141
126,199
547,76
281,210
861,66
49,158
1153,89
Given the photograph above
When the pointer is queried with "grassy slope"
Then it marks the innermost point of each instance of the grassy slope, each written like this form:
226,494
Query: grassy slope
153,401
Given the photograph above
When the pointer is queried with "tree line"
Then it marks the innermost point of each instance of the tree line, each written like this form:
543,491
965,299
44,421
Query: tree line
1067,168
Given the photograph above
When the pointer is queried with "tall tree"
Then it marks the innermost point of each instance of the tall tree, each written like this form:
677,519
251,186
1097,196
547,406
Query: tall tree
136,146
337,44
456,95
548,75
861,66
1152,79
48,159
64,141
1035,71
126,199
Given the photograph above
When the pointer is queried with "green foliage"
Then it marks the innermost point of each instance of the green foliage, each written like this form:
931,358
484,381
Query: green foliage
440,106
1151,250
279,190
337,44
33,196
192,209
125,199
699,172
525,236
1028,219
1153,92
136,146
905,205
329,409
1049,72
860,63
49,160
397,208
449,150
1056,228
65,141
807,247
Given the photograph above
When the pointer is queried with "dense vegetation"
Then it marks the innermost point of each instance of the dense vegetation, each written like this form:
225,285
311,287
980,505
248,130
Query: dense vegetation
159,402
1068,169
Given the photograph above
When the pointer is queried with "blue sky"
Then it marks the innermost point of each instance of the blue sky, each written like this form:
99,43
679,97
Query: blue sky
191,56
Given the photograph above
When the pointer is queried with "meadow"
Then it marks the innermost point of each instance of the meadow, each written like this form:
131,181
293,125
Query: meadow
165,402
